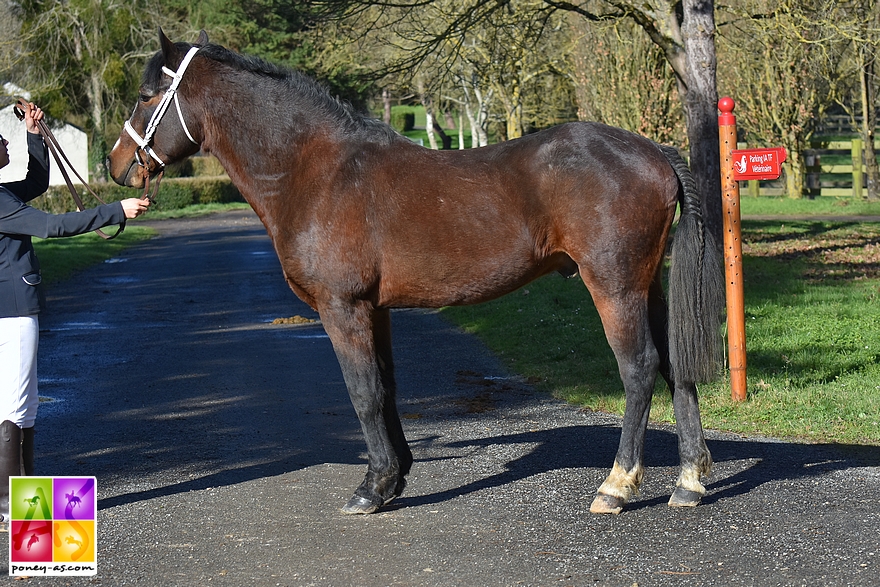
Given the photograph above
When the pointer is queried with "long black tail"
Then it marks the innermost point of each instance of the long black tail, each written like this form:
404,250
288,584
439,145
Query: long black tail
696,287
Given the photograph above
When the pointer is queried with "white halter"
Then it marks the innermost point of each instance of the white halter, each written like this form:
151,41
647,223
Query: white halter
170,93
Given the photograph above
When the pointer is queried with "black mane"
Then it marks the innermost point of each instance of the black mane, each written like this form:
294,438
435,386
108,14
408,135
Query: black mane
299,84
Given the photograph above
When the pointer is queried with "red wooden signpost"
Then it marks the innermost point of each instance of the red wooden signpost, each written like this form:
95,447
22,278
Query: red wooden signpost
738,165
757,163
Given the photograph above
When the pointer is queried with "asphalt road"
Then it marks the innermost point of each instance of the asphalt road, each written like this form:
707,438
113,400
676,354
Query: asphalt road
225,445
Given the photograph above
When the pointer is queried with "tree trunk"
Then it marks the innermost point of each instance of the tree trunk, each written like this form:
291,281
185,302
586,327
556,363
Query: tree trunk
386,100
472,121
869,121
98,147
514,122
793,167
482,117
429,124
428,103
461,130
514,113
698,28
444,138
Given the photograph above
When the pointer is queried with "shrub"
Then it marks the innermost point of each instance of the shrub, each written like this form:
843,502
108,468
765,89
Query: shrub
206,166
174,193
403,121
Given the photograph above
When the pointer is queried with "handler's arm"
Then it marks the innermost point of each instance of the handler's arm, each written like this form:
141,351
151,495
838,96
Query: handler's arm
37,180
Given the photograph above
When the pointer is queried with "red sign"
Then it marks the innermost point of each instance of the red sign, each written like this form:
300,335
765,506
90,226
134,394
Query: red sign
758,163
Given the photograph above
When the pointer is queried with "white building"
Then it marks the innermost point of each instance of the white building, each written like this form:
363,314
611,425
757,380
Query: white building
73,141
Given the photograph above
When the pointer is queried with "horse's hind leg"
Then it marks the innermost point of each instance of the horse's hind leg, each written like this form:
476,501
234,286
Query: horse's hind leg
361,337
694,455
696,461
625,319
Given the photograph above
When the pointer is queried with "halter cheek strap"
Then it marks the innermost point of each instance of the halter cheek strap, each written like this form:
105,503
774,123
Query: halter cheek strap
170,94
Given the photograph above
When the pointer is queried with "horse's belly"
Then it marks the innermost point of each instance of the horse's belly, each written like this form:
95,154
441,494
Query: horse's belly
433,284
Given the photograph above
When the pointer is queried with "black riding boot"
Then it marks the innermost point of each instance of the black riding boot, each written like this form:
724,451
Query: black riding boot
27,451
10,463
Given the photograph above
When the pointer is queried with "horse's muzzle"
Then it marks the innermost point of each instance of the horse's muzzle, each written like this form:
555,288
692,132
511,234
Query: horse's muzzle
134,176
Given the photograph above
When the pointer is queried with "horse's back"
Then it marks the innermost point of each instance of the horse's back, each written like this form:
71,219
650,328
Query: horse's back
456,227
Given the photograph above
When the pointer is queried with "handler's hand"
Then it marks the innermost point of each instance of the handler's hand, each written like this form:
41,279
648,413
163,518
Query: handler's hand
134,207
32,116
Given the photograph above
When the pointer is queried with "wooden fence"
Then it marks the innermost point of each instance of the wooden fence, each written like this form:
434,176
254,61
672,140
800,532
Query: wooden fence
842,174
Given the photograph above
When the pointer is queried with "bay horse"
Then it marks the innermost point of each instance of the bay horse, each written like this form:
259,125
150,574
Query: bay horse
364,220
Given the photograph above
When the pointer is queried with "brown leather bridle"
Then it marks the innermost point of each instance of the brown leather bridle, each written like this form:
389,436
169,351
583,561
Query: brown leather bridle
55,148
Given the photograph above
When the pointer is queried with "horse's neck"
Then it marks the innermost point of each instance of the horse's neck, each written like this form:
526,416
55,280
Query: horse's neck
257,153
266,160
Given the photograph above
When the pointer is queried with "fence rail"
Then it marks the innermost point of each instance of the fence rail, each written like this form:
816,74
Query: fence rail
842,175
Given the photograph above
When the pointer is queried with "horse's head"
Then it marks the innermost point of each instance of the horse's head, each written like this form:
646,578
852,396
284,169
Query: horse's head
151,140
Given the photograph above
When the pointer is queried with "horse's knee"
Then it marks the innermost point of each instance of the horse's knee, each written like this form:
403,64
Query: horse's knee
619,487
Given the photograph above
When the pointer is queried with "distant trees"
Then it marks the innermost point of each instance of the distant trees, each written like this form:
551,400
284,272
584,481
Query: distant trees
781,75
683,32
788,62
621,78
497,66
9,47
78,58
506,66
853,29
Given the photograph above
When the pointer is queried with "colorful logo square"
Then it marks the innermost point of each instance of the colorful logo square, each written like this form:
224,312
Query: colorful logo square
54,526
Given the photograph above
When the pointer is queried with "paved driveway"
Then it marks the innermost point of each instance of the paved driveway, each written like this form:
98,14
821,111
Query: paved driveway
225,445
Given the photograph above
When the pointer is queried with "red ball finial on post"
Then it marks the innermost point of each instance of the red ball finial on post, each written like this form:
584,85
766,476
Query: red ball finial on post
726,105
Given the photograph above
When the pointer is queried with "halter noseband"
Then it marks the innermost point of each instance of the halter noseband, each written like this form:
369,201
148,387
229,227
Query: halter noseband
153,124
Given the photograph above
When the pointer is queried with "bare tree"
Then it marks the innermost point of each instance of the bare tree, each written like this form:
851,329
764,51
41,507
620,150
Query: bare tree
854,26
786,69
10,54
621,78
684,31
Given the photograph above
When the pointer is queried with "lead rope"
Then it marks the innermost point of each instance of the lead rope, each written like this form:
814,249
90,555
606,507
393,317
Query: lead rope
58,154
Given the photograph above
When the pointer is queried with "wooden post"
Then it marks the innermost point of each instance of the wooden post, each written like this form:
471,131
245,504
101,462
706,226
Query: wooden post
736,333
857,168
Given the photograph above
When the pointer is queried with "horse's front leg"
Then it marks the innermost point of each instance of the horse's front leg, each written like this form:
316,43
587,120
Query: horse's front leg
361,337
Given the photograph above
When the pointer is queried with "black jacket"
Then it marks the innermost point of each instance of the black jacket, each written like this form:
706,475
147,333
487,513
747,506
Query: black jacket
19,268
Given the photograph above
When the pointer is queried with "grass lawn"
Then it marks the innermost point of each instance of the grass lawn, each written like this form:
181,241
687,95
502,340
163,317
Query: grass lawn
812,293
62,257
821,206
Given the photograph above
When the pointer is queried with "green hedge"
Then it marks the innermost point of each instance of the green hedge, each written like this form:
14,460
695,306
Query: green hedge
403,121
195,167
174,193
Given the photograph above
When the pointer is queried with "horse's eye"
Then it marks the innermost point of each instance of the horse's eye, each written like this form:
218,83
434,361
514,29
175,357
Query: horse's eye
145,98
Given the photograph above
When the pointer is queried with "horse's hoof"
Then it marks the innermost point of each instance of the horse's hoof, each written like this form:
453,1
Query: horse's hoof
685,498
359,505
607,504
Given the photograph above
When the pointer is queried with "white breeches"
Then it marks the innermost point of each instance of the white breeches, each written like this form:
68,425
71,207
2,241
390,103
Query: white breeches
19,399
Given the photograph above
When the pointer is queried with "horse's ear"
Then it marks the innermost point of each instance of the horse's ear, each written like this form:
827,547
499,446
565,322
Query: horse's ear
169,49
203,38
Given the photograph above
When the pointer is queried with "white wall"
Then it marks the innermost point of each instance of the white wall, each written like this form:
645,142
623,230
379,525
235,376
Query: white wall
73,141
